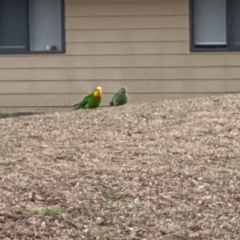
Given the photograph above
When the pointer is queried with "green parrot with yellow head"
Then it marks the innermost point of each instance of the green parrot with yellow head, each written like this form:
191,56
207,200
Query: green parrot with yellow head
92,100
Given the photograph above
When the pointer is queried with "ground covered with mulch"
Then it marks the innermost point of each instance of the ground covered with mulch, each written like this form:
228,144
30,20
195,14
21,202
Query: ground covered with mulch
163,170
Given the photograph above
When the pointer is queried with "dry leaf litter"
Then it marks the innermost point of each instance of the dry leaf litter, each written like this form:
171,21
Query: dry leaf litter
162,170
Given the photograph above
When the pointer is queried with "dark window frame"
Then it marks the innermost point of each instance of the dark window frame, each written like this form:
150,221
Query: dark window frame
63,38
193,48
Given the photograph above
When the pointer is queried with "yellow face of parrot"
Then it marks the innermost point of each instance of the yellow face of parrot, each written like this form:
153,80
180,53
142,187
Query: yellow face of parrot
98,92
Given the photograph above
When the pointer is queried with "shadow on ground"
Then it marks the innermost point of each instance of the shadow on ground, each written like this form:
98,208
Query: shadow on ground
18,114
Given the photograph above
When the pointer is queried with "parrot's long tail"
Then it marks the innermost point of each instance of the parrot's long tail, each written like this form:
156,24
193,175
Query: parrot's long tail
74,107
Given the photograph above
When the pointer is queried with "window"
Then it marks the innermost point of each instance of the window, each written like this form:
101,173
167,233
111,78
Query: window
32,26
215,25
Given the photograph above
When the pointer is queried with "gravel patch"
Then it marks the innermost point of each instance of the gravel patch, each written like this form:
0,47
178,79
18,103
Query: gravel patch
162,170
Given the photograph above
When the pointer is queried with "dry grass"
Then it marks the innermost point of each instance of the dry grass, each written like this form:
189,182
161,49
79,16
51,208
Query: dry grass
166,170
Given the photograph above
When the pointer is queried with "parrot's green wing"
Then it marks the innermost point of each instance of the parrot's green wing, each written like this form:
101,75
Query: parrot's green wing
93,102
83,103
88,102
113,100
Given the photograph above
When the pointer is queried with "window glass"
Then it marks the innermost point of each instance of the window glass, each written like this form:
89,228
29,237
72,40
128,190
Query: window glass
45,24
234,23
14,24
209,22
31,26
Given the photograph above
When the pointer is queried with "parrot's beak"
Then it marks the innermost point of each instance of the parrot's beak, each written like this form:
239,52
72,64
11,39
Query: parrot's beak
97,94
123,90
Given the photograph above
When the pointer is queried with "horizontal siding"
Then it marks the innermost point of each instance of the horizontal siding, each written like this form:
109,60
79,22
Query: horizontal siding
140,44
167,8
33,74
113,74
118,2
130,48
153,86
128,35
140,22
118,61
33,61
130,74
67,100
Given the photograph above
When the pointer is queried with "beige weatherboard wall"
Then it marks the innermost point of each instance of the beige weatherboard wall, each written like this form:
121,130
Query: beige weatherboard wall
141,44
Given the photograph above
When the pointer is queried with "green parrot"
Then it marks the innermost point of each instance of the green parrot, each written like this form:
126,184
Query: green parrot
120,97
92,100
